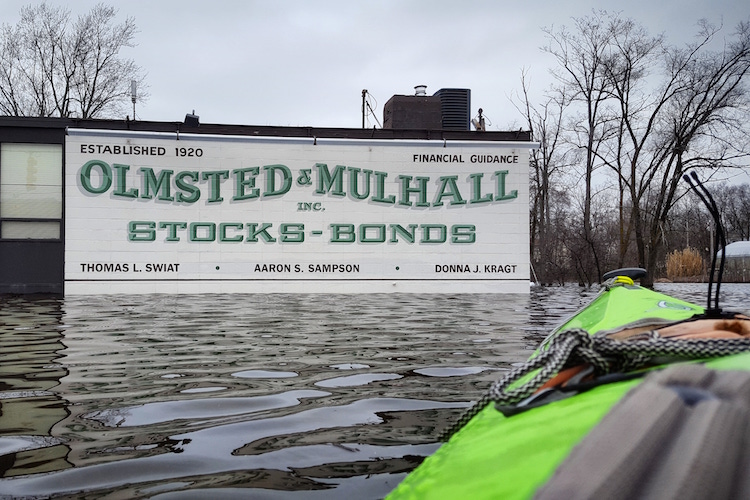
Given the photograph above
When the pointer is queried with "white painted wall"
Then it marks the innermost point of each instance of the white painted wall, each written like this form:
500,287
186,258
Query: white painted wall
103,253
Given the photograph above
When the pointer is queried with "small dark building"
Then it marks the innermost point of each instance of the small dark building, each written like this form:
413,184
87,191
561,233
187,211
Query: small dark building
34,214
447,109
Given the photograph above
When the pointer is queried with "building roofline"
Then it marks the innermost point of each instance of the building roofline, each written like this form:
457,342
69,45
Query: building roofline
264,130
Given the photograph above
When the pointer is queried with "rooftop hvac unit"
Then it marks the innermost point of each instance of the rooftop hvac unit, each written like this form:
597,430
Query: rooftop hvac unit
456,106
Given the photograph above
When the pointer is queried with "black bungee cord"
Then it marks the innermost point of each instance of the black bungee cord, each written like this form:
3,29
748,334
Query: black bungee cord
700,189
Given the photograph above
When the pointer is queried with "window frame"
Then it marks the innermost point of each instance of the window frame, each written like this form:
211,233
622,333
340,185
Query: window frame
61,219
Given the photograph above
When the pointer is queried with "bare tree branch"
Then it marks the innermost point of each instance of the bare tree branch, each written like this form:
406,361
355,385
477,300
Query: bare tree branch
52,66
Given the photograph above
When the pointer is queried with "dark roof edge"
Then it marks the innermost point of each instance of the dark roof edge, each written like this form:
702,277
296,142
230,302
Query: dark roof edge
264,130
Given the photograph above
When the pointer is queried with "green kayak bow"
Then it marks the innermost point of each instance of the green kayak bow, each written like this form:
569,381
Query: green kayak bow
517,438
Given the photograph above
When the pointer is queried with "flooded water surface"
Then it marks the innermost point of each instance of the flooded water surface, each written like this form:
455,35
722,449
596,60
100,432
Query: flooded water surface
261,396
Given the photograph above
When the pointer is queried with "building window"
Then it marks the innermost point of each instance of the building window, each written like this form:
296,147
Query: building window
31,197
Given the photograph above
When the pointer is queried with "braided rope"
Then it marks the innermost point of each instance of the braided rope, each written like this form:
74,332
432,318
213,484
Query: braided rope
604,354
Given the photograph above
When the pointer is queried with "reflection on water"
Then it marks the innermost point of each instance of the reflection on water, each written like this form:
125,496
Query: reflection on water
30,341
251,395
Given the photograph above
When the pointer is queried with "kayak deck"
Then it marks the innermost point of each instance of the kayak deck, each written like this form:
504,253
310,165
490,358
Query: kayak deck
499,456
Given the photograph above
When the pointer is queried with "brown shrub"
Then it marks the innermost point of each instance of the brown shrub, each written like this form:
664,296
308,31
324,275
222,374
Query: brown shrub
684,263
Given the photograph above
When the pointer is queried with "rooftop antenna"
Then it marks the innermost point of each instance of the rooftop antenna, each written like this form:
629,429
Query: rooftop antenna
364,103
367,108
133,95
479,122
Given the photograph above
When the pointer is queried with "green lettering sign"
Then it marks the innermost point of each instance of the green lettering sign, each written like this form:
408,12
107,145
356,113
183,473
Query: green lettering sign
106,175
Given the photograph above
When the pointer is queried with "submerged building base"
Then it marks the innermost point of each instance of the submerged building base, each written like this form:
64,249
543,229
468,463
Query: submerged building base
306,287
110,207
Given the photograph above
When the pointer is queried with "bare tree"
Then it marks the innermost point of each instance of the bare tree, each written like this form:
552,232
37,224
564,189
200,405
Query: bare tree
581,55
651,113
51,65
685,127
544,122
734,205
633,56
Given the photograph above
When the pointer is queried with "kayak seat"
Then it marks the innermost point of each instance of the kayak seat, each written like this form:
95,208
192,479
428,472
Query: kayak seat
682,433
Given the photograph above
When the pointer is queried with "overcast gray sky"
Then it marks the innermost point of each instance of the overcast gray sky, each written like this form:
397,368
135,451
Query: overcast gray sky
305,63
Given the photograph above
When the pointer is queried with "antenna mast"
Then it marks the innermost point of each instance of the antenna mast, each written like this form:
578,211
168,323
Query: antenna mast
133,96
364,96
